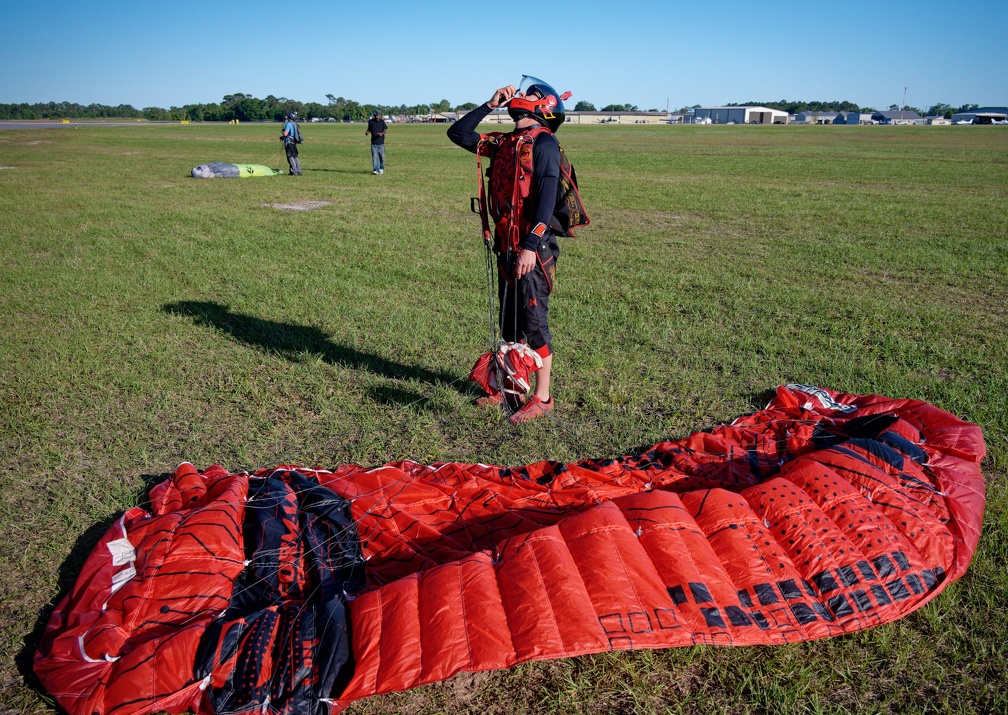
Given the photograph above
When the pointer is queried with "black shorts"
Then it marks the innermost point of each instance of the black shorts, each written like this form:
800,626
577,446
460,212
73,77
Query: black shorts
524,309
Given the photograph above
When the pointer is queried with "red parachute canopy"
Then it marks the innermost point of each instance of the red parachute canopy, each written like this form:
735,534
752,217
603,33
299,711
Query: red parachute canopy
302,590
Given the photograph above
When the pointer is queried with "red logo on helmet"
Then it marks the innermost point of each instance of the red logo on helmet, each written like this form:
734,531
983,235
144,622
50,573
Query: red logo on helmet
551,101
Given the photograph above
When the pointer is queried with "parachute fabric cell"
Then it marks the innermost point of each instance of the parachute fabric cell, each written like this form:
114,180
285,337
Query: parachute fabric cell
820,515
230,594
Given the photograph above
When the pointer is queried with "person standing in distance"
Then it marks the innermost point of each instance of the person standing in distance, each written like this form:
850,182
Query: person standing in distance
526,200
289,137
376,127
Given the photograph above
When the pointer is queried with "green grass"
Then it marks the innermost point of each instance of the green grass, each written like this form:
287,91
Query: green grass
151,318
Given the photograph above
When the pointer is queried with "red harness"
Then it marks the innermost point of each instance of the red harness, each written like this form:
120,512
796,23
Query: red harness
510,175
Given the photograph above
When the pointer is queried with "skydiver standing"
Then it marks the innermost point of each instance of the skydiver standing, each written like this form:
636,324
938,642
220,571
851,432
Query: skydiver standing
290,136
528,213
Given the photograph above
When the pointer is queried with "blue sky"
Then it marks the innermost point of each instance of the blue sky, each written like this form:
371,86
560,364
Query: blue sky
642,52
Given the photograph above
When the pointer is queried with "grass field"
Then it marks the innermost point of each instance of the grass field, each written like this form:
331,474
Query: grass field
151,318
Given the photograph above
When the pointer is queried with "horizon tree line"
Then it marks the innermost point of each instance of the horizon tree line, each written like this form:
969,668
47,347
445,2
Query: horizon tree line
246,108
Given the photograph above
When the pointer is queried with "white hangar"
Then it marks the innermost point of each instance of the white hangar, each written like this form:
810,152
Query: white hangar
739,115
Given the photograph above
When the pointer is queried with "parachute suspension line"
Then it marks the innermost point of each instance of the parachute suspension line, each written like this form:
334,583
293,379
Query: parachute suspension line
492,311
481,208
514,238
282,157
271,155
390,492
393,491
494,315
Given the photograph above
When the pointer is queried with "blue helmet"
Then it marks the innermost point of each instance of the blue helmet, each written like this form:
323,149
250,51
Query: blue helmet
540,101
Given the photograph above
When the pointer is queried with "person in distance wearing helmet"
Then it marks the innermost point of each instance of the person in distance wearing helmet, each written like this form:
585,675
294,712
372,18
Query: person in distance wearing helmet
525,244
289,137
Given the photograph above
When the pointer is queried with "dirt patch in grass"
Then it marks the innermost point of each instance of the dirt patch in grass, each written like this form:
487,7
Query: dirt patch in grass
308,205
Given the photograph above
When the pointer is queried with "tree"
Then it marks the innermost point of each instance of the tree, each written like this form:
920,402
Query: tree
155,114
248,109
796,107
353,111
466,107
940,110
17,111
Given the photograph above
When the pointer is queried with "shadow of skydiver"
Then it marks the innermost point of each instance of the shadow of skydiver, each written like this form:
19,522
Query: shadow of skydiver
290,340
339,171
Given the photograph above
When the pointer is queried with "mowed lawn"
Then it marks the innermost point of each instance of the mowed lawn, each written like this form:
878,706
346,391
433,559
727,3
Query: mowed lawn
150,318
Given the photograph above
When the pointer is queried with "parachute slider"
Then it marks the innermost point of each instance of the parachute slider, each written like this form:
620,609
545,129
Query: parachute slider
514,362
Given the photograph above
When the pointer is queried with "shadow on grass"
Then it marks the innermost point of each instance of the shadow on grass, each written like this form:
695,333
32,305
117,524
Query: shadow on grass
340,171
394,396
67,575
759,400
292,341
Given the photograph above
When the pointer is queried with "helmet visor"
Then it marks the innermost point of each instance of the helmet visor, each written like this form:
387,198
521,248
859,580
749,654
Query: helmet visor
538,93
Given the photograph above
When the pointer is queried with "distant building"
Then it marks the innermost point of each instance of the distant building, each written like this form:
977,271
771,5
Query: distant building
739,115
981,115
937,121
855,118
660,117
818,117
897,116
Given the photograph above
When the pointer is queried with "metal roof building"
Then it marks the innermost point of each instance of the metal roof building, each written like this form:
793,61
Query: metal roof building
855,118
980,115
898,116
739,115
819,117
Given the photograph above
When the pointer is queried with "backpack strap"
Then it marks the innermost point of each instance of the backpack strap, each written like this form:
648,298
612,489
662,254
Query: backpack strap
514,240
487,146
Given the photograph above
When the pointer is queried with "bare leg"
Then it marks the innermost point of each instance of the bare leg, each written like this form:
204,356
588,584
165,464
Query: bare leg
542,386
